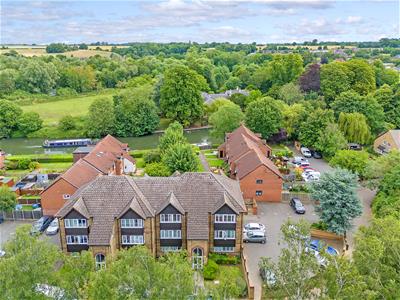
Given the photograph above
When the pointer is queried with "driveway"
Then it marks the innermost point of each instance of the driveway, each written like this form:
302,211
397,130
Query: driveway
272,215
8,228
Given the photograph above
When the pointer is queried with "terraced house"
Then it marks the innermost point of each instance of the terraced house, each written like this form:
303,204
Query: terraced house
108,157
197,212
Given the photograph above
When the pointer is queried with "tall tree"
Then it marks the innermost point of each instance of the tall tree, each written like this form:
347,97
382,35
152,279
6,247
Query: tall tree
354,127
100,119
335,79
136,113
290,93
331,140
362,76
338,200
293,116
354,161
29,122
378,167
8,78
180,94
8,199
264,116
310,80
314,125
390,103
38,77
285,68
226,119
172,135
180,157
9,114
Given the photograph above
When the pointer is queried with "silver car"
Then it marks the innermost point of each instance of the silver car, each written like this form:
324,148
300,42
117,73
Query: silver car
254,237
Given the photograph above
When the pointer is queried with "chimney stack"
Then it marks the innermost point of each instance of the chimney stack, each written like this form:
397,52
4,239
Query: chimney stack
119,165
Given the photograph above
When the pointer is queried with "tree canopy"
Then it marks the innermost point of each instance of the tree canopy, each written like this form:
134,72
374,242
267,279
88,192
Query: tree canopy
226,119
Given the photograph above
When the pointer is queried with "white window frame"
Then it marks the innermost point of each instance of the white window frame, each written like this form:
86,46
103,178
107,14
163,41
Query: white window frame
66,196
77,239
259,193
170,234
166,249
132,223
224,234
224,249
170,218
225,218
102,264
75,223
132,239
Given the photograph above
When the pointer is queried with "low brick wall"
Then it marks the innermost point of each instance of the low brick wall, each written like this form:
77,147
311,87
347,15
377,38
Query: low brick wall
250,285
304,197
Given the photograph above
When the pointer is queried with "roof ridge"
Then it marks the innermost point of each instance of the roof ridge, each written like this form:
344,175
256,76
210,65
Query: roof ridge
135,187
223,186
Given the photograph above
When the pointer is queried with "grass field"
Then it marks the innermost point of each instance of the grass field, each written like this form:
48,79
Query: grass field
52,112
29,52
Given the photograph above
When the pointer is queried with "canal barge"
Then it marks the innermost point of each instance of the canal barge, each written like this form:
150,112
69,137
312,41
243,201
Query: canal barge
67,143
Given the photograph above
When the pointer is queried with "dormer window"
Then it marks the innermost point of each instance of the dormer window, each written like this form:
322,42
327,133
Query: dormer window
131,223
170,218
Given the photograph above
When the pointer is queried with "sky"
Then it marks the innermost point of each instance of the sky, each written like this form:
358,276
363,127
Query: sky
261,21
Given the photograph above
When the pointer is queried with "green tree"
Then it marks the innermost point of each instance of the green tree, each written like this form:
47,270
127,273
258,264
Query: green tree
376,257
9,114
180,94
354,127
233,83
314,126
8,199
362,76
335,79
172,135
38,77
293,116
29,122
79,78
351,102
180,157
136,113
378,167
29,261
221,74
331,140
100,119
383,75
226,119
339,204
354,161
296,273
285,68
390,103
67,123
291,93
157,169
264,116
239,99
8,78
216,104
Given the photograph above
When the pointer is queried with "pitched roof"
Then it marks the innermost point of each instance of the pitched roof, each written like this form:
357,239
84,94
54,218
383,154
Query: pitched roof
196,194
80,173
396,136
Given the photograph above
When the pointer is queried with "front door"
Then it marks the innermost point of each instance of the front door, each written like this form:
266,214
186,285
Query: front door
197,258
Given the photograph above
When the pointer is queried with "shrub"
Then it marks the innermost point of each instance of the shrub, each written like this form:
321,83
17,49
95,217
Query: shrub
224,259
157,169
67,123
152,156
11,165
34,165
66,92
210,270
321,225
23,164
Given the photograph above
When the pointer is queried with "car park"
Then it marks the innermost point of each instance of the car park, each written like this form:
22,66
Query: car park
318,245
255,237
316,154
254,227
297,206
40,225
297,160
53,227
311,176
306,152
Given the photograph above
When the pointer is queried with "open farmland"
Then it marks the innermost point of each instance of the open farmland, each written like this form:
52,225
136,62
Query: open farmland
41,51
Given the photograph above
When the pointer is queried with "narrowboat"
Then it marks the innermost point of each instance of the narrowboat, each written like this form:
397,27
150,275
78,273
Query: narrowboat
67,143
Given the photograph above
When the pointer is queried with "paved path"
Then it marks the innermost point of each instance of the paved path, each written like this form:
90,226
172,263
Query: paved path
204,162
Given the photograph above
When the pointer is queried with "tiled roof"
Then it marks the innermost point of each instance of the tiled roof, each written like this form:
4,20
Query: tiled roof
196,194
80,173
396,137
247,151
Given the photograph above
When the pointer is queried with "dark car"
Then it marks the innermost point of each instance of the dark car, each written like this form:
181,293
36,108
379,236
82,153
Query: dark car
40,225
354,146
316,154
297,206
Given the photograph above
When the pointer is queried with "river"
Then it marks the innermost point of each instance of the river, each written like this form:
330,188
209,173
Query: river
34,145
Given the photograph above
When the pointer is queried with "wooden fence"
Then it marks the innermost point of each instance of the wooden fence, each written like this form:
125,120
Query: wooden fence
22,215
304,197
250,285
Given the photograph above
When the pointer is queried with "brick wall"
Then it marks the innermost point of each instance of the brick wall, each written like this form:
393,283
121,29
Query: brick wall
52,198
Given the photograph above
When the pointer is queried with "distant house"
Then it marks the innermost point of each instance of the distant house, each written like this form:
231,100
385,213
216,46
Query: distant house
196,212
248,158
8,181
388,141
210,98
108,157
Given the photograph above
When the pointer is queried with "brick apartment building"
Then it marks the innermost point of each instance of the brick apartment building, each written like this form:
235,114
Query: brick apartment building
108,157
198,212
248,158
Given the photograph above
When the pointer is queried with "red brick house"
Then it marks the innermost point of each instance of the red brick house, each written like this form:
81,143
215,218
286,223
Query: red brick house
248,158
108,157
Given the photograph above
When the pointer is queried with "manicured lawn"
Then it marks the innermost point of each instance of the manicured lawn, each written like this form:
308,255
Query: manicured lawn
210,284
55,166
52,112
212,159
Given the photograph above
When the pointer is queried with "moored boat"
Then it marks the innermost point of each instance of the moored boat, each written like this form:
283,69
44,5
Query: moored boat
67,143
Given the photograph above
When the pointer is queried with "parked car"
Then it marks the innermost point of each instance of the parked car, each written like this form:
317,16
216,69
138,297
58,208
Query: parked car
2,253
316,154
35,205
53,227
297,160
311,176
318,245
255,237
354,146
254,227
297,206
305,151
304,165
40,225
268,276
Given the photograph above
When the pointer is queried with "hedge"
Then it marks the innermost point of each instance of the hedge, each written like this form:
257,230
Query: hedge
42,158
210,270
224,259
